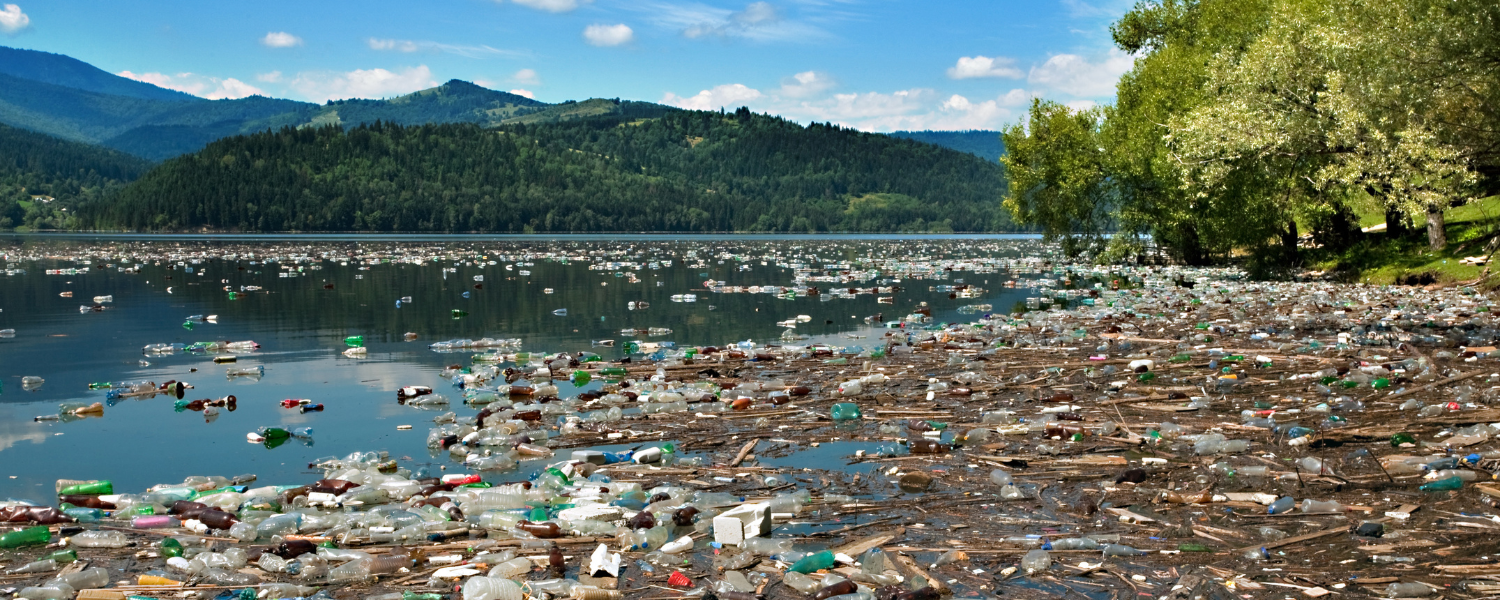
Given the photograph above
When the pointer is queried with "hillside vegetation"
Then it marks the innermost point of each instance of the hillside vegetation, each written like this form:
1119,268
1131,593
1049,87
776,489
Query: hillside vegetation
42,175
629,167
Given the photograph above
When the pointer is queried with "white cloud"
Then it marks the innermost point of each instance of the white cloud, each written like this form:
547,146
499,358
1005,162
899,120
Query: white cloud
804,84
526,77
418,46
13,20
213,88
1016,97
608,35
280,39
556,6
1081,104
1078,76
526,93
363,83
397,45
272,77
758,21
970,67
724,96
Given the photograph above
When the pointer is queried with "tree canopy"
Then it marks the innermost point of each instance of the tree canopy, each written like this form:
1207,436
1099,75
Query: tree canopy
1246,123
676,171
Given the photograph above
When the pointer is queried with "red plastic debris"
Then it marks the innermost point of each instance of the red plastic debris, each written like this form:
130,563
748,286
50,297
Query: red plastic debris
679,580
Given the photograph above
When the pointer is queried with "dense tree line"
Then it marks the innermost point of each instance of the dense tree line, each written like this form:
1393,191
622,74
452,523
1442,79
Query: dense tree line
1246,124
34,167
680,171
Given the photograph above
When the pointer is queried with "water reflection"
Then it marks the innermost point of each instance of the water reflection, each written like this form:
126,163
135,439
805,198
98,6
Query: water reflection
300,314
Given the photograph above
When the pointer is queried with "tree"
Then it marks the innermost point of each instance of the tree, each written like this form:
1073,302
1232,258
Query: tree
1054,165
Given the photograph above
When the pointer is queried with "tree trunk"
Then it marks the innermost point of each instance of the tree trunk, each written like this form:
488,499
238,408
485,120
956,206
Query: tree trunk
1289,244
1395,223
1437,234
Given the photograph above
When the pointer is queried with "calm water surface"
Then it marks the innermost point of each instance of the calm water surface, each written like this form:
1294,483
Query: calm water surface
300,322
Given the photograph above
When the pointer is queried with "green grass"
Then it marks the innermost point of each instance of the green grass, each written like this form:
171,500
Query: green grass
1379,259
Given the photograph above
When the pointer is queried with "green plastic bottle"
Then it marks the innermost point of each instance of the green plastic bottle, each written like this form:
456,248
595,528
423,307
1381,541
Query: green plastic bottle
1443,485
274,433
581,377
1180,358
31,536
613,371
1381,383
354,341
1402,438
1190,547
846,411
408,595
170,548
62,556
1145,377
814,562
93,488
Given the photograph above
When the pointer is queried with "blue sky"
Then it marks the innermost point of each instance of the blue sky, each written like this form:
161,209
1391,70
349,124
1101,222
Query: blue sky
879,65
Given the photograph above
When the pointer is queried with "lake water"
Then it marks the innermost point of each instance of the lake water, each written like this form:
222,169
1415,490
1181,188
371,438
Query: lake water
316,290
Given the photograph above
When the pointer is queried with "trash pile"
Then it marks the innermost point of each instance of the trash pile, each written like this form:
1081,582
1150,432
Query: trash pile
1127,432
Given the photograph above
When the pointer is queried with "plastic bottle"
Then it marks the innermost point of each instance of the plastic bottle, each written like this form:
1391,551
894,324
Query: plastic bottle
1281,505
814,562
766,546
846,411
1121,550
1443,485
1319,506
1036,561
90,488
41,566
490,588
1407,590
31,536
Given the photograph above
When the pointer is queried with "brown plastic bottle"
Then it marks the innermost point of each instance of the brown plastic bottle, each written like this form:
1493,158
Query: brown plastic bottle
926,446
556,560
544,531
684,516
1061,397
528,415
1058,430
333,486
186,507
217,519
926,593
86,501
837,589
1171,497
1069,416
641,520
290,549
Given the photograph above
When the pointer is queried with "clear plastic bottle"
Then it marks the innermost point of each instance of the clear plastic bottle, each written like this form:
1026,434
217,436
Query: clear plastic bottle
490,588
99,539
1036,561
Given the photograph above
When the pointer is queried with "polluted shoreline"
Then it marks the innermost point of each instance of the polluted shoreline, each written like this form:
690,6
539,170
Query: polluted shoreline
1130,432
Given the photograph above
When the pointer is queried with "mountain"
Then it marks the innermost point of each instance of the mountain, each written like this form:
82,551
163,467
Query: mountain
40,176
70,99
980,143
599,165
66,71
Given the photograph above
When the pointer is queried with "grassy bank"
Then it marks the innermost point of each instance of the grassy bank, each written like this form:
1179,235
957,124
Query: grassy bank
1380,259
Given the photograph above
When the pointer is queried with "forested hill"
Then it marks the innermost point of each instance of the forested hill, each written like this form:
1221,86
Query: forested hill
979,142
40,175
679,171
